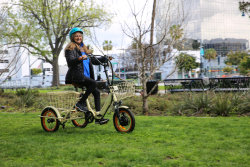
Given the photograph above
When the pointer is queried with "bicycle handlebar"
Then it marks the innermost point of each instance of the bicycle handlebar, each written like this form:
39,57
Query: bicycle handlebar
100,59
103,60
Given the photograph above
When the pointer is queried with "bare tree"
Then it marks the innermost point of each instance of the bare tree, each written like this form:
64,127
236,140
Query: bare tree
150,55
9,65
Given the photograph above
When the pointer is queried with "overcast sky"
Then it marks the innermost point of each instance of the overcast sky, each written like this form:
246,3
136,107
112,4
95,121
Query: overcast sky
122,15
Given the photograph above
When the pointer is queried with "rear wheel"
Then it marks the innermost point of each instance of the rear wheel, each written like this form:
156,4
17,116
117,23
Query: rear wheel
49,120
126,123
80,121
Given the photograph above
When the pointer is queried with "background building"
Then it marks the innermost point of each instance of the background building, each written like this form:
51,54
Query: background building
10,64
214,24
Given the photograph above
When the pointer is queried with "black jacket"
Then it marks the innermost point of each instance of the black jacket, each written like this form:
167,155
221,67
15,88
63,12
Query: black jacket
75,71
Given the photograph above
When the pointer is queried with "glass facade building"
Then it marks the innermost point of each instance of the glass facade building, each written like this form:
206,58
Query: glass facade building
215,24
209,19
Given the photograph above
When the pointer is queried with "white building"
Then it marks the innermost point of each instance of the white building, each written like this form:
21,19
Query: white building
10,64
128,67
18,73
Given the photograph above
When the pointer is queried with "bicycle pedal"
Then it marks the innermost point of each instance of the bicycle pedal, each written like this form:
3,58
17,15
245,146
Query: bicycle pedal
102,121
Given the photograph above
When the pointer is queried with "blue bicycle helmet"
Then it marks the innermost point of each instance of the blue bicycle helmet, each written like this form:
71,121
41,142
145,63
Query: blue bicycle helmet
73,30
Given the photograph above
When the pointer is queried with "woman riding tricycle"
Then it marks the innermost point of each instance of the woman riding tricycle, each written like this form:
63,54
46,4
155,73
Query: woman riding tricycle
81,75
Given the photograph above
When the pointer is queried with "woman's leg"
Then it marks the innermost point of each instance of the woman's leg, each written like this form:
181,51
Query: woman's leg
91,88
90,84
96,94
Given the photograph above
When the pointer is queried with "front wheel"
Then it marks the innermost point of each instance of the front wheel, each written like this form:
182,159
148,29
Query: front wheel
126,123
49,120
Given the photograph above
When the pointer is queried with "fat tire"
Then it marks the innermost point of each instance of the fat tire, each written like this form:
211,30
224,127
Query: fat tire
131,117
44,119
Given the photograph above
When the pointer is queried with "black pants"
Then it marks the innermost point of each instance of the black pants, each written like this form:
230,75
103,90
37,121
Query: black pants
91,86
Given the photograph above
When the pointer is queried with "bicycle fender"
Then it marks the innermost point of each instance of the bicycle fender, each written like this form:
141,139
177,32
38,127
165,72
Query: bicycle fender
56,110
126,107
117,110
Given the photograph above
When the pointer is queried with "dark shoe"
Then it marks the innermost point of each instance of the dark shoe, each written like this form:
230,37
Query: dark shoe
101,121
81,106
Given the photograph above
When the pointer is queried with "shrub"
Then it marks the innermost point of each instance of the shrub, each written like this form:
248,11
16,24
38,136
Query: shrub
157,105
68,87
26,97
134,103
244,106
169,87
221,105
36,71
194,103
9,95
24,92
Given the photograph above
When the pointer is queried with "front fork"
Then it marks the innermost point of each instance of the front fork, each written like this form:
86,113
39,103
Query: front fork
117,106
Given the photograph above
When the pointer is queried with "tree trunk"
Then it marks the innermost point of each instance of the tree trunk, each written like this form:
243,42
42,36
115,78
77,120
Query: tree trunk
151,38
145,105
144,97
55,81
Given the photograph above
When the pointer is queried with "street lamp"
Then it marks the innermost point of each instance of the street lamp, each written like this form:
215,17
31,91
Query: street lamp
201,60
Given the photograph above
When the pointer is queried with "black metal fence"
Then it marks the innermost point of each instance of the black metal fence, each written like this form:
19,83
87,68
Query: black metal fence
204,84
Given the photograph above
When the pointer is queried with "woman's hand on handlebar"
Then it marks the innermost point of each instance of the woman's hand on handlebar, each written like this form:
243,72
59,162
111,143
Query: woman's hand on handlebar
84,57
110,58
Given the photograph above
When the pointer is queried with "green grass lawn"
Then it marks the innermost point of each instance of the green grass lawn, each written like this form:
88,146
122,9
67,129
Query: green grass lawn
156,141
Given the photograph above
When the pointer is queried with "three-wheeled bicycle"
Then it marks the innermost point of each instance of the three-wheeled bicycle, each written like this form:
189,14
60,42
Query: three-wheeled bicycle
62,108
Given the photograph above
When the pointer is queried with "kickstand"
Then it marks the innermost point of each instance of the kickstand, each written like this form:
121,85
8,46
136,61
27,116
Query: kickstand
63,125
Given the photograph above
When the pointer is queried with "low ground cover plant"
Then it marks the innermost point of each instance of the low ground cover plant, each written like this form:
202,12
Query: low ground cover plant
185,103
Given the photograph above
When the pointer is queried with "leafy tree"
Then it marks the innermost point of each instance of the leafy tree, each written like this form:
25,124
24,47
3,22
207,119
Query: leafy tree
234,58
42,26
239,59
176,32
186,62
195,45
210,54
244,7
245,65
227,69
107,45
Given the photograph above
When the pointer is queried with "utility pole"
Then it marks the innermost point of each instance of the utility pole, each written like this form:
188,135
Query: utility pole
201,60
29,70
